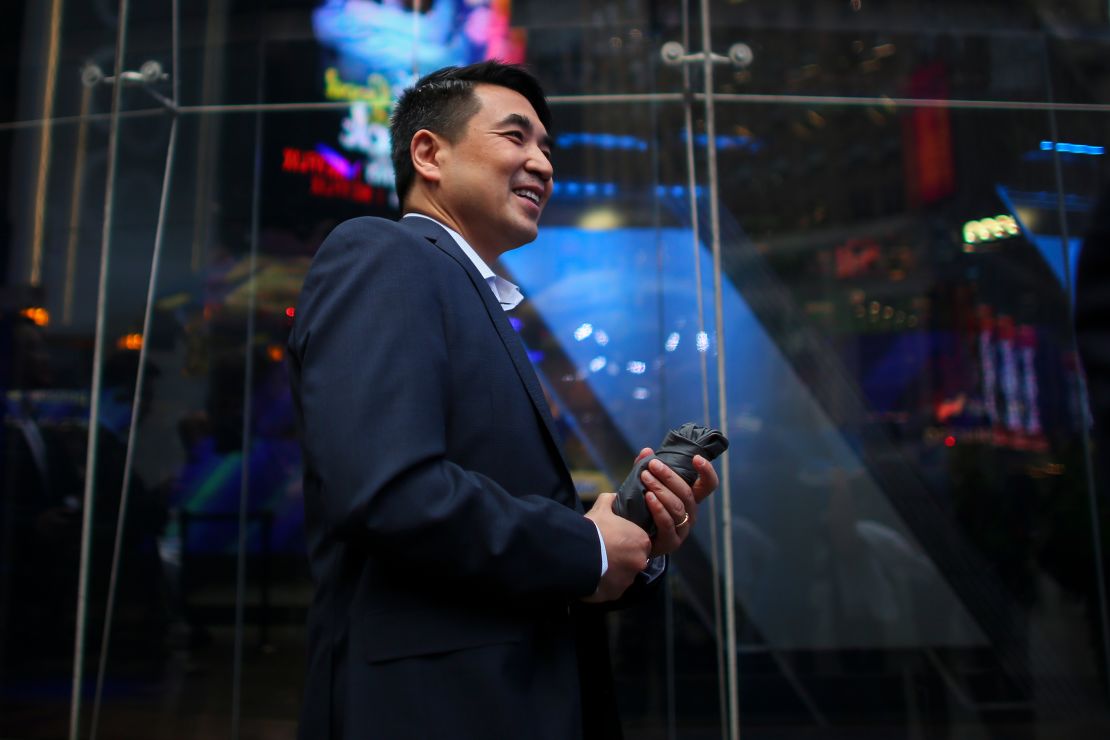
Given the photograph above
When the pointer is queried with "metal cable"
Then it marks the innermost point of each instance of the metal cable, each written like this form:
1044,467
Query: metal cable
416,44
847,100
248,411
175,52
81,118
670,692
632,98
140,385
132,432
97,382
722,397
695,226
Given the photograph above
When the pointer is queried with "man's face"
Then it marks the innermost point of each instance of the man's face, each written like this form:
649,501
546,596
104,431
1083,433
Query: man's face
496,178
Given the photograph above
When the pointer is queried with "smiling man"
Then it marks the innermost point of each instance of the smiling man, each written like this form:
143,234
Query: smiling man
456,572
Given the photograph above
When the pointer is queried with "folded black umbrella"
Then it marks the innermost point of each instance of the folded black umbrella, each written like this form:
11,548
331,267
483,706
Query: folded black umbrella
677,453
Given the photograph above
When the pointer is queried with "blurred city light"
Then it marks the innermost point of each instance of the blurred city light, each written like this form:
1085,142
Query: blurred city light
132,342
37,314
1060,146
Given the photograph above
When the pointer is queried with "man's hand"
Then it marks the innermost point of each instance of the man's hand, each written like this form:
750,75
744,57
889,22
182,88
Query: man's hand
626,547
674,504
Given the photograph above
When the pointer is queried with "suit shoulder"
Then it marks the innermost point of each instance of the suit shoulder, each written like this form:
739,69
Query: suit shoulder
369,240
367,231
367,262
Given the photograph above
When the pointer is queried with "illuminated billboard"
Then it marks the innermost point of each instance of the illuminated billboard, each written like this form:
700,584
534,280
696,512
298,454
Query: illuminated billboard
373,51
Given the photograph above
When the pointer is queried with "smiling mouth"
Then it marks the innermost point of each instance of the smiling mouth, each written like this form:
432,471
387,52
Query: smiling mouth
528,194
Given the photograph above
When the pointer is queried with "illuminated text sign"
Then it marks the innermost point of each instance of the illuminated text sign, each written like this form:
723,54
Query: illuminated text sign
990,229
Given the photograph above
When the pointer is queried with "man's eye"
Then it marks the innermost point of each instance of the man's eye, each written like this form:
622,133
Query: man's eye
516,135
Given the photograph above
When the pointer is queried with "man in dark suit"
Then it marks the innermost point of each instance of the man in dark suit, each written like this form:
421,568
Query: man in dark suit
456,571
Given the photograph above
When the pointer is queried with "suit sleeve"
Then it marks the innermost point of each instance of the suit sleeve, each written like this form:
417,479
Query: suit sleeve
370,370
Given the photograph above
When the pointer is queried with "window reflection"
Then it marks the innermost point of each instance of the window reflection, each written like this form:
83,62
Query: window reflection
910,204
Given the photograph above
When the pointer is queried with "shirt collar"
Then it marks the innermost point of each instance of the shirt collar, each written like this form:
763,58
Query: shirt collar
507,294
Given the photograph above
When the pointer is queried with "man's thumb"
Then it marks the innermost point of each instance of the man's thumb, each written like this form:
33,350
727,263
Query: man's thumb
605,501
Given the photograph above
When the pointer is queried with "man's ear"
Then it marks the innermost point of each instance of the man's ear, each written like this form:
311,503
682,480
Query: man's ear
426,149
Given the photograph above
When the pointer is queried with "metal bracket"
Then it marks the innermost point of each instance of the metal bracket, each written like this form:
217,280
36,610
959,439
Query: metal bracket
151,72
674,54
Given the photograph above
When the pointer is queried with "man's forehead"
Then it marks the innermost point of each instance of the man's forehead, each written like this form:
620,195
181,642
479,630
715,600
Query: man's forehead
497,103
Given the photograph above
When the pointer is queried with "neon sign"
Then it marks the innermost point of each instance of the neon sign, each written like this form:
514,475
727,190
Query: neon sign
385,46
377,93
331,176
361,134
1060,146
306,162
365,129
990,229
326,187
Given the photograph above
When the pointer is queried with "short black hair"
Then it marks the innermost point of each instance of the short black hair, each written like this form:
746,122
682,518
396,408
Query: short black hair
444,101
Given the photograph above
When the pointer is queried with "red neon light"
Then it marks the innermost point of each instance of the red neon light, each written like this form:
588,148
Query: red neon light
326,181
927,139
306,162
948,408
856,257
359,192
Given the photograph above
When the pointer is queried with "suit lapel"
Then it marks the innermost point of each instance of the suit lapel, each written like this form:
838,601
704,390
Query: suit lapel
434,233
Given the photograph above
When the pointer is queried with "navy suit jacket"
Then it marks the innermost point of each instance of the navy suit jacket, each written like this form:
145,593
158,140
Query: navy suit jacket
446,543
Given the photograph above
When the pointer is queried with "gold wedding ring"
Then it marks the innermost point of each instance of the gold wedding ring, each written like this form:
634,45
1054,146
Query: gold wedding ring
685,520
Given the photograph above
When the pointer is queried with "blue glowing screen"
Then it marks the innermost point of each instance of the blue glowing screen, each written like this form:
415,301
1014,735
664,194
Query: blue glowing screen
623,306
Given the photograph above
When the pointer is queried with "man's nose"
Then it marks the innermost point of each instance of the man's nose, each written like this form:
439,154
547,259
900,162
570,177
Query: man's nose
540,165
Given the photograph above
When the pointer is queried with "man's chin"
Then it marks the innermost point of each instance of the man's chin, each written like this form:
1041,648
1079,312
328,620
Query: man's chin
524,235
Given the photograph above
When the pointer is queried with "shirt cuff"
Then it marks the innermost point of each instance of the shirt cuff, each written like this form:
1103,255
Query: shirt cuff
604,557
655,568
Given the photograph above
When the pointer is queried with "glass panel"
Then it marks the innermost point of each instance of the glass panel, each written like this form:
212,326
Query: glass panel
916,461
612,323
45,382
173,627
976,51
53,200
